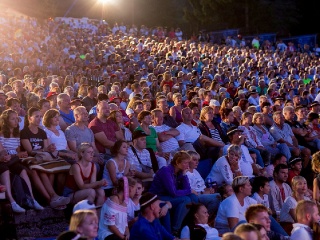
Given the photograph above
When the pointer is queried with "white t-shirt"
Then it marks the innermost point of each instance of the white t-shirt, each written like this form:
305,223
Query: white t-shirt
196,181
231,208
60,141
221,171
212,233
264,201
289,203
131,208
188,133
301,231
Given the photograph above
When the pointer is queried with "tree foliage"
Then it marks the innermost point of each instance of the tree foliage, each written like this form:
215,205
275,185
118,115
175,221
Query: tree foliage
247,15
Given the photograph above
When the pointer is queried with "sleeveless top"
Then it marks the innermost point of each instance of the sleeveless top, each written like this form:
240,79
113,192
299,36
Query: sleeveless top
68,118
119,174
71,183
178,115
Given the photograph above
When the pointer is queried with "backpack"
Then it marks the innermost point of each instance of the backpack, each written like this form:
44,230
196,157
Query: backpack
20,191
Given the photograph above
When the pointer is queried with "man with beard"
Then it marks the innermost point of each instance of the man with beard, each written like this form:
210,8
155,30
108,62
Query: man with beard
279,189
307,214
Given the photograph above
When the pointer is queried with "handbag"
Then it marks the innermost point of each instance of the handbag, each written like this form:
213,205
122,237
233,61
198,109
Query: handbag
145,168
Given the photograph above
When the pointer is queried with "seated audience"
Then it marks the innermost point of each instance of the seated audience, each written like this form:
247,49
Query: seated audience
85,223
113,223
279,190
9,154
226,167
148,225
307,214
232,210
196,222
171,184
247,231
34,140
287,212
206,195
116,167
81,182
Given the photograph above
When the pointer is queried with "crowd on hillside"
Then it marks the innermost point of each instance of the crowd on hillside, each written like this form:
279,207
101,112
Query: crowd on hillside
153,136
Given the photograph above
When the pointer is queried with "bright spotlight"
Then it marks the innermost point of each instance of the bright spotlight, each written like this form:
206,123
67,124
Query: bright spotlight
104,1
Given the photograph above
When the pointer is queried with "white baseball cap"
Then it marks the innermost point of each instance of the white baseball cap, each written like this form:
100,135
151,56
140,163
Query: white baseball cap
214,103
85,205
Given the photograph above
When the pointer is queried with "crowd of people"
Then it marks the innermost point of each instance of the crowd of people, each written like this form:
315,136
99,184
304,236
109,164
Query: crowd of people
153,136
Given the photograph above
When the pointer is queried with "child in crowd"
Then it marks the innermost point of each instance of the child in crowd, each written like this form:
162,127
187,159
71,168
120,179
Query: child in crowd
261,189
295,164
225,191
206,195
113,222
262,171
133,203
278,158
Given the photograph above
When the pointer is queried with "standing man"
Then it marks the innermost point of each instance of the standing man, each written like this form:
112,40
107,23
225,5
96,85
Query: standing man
307,214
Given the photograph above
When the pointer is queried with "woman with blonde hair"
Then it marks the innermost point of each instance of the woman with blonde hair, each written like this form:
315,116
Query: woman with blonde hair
266,138
175,110
247,231
135,106
287,213
167,79
81,182
171,183
315,163
85,223
210,128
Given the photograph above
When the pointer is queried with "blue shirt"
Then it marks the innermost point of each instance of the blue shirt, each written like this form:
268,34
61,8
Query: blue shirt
145,230
68,118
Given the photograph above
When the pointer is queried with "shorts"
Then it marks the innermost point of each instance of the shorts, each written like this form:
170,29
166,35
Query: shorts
15,168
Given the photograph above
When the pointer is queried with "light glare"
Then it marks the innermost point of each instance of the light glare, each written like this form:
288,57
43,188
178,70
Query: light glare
104,1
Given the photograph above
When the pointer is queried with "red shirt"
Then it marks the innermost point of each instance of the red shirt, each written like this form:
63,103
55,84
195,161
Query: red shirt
291,175
109,128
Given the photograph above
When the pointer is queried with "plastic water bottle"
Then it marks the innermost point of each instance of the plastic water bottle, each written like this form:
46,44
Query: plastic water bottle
214,185
209,183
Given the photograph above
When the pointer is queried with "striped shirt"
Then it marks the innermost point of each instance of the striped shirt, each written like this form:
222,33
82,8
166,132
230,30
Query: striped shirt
215,135
10,144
